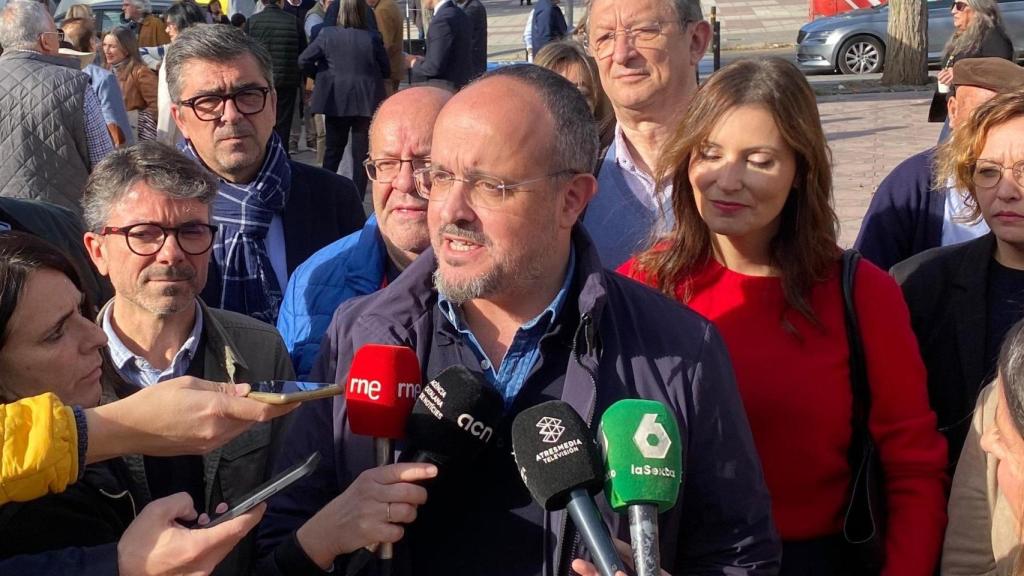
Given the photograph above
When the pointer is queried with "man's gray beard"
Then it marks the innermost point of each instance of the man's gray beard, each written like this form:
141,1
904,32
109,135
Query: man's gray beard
504,275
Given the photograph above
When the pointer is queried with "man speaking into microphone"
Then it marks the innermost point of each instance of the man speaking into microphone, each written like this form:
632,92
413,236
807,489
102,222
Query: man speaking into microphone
513,288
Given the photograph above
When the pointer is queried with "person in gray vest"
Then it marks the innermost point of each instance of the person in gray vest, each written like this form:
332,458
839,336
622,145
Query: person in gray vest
53,131
650,79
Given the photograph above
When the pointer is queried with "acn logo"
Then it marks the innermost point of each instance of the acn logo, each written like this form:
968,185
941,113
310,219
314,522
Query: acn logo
651,438
551,429
478,429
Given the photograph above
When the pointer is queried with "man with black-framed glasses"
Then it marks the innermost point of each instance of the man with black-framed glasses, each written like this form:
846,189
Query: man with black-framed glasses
392,238
647,52
53,132
271,213
148,221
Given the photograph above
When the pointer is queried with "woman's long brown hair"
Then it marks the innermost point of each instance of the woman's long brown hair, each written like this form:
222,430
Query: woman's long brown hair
804,250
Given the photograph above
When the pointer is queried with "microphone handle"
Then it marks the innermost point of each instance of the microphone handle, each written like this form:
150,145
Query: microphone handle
384,448
595,534
643,533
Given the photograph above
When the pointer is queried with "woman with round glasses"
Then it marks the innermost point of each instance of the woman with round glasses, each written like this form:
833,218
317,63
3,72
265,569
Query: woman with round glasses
754,250
138,83
978,32
963,298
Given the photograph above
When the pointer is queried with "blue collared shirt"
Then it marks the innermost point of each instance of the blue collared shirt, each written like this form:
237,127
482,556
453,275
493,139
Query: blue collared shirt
136,369
522,354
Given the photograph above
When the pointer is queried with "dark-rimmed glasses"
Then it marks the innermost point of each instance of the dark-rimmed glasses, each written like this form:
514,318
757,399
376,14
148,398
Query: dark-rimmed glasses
210,107
987,174
147,238
960,6
434,184
603,45
385,170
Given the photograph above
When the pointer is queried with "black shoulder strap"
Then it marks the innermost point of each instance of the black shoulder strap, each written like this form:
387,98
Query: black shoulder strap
858,365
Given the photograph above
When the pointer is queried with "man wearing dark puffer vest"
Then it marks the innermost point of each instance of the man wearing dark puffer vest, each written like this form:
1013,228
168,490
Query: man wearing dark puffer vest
514,289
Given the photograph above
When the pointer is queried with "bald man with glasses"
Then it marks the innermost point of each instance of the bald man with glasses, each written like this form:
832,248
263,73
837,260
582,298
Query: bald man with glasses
392,238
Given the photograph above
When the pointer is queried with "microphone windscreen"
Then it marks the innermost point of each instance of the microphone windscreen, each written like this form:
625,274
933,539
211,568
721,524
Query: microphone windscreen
555,453
454,417
643,453
383,383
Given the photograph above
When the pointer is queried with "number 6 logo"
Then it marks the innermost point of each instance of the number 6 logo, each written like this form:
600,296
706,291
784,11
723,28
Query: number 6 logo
651,438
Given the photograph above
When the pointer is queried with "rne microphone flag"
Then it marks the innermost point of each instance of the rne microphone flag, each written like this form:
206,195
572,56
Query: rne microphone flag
382,386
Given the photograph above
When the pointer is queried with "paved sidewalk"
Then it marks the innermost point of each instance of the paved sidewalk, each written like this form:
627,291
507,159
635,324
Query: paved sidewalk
870,134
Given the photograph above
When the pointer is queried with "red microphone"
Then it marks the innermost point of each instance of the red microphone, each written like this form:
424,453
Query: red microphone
383,383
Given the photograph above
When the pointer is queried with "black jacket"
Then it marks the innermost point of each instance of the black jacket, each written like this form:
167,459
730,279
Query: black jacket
996,44
91,513
945,289
478,21
350,66
449,48
321,208
277,31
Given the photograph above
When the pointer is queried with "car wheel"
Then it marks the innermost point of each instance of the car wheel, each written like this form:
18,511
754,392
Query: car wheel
861,55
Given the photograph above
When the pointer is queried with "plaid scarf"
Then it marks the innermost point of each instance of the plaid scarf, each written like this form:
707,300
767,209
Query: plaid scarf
243,214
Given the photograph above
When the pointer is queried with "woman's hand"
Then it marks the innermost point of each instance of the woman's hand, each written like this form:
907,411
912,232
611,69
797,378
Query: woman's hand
945,76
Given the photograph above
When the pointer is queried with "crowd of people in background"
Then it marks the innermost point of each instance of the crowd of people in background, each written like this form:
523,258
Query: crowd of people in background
592,226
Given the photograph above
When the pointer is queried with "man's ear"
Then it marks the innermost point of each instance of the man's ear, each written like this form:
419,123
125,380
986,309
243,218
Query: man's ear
176,113
953,109
578,193
699,41
97,253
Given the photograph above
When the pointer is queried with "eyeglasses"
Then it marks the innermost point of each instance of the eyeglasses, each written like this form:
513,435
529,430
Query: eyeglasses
960,6
603,45
59,33
210,107
146,238
434,184
988,174
385,170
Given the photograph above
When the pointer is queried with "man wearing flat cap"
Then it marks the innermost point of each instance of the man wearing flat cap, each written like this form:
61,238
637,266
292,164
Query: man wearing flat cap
907,214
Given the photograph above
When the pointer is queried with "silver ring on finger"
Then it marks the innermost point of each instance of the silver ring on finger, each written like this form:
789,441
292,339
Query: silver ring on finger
389,512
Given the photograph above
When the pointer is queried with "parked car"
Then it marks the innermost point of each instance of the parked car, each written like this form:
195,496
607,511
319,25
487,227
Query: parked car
854,42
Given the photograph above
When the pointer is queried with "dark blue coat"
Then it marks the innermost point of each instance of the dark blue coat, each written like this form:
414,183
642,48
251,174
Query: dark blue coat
614,338
548,24
449,55
350,66
905,215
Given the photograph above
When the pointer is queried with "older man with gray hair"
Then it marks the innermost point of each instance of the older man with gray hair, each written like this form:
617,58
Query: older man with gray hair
53,131
647,53
148,27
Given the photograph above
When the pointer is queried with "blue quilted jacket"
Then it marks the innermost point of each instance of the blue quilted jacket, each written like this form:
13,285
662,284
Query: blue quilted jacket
349,267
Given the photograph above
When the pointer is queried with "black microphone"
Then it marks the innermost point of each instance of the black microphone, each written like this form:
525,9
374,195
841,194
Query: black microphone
561,466
452,421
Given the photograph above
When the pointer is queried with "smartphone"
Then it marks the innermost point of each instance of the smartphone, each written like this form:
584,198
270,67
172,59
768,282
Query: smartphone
288,391
283,480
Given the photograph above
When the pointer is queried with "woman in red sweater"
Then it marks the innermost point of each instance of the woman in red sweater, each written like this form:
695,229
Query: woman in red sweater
754,250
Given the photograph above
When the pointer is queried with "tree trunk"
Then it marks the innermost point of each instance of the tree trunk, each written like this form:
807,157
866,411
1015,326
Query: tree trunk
906,54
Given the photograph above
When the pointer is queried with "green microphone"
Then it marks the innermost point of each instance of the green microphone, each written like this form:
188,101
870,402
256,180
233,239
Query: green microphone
644,460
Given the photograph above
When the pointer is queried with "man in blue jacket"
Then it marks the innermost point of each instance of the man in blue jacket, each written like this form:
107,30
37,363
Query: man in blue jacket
449,57
364,261
514,289
548,24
